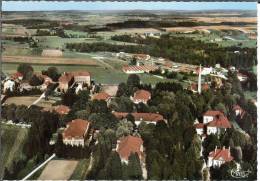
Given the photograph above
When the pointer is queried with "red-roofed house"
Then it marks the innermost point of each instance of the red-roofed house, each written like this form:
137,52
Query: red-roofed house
102,96
62,110
47,79
153,118
141,96
130,144
67,79
215,121
238,111
142,57
64,81
194,87
219,156
209,115
134,69
81,77
76,132
242,77
17,76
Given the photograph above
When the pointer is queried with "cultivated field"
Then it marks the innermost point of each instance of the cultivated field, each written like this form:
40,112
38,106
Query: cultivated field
58,170
244,29
48,60
225,19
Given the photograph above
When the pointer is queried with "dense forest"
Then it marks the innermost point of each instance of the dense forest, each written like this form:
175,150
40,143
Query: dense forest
178,49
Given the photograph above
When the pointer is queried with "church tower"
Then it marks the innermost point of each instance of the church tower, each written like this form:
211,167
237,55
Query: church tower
199,81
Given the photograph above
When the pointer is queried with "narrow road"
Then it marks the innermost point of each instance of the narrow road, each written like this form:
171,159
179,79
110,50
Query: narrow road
38,100
40,166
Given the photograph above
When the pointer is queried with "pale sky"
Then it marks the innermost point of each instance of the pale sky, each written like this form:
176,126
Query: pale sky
48,6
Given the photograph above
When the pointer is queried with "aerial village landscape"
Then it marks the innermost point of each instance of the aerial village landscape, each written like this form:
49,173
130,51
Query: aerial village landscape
128,95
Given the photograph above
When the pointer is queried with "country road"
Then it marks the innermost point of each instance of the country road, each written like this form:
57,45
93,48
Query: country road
40,166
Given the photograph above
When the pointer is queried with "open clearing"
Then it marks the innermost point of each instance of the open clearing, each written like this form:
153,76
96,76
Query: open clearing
28,100
48,60
58,170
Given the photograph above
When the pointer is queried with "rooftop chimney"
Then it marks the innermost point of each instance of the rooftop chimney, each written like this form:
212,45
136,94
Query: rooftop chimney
215,149
224,148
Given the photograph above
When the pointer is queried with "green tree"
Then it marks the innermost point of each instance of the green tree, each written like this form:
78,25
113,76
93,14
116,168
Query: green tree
26,70
36,81
99,106
133,80
82,114
124,128
52,72
113,167
20,113
82,100
210,144
122,90
69,98
134,167
221,107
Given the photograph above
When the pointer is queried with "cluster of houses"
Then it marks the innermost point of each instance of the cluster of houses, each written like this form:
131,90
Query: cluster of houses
215,122
16,80
79,133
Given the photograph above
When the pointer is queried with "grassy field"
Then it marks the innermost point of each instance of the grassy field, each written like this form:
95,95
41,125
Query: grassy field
80,171
13,140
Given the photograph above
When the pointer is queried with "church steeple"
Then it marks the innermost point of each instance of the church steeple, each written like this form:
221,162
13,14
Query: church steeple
199,81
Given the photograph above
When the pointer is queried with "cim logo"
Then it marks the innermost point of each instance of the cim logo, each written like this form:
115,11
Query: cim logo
235,173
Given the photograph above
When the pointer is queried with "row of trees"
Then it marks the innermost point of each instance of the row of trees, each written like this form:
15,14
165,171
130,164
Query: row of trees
188,50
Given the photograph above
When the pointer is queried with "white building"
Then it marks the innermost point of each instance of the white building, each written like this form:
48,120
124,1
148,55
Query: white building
9,85
219,156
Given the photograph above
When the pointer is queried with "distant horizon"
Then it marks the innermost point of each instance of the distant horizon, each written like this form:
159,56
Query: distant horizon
127,6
